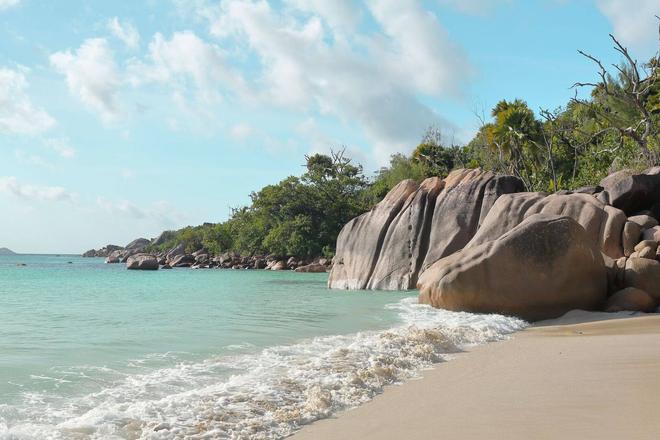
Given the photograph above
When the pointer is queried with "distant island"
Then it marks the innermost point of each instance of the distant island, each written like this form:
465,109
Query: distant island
5,251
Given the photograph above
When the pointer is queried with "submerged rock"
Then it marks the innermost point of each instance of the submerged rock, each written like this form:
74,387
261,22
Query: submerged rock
312,268
542,268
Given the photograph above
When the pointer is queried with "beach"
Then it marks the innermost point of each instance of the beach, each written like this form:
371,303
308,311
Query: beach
585,375
227,354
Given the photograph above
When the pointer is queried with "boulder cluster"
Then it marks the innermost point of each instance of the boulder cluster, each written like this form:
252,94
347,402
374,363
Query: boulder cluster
104,252
136,257
475,241
118,254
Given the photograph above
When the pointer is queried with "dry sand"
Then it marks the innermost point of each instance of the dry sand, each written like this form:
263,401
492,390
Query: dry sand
562,379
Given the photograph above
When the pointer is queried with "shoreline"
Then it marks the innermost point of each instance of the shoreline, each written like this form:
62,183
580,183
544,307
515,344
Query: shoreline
584,375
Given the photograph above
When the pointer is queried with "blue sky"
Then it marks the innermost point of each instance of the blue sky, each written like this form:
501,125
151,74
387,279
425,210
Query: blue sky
121,119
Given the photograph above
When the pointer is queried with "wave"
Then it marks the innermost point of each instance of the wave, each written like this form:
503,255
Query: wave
266,395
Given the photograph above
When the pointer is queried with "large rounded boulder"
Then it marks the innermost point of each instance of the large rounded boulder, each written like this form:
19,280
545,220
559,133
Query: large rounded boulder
603,224
632,192
540,269
644,274
631,299
142,262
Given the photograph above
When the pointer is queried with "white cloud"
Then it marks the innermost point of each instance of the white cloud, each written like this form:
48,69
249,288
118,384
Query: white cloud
6,4
160,212
10,185
426,56
318,141
33,159
241,131
312,57
338,14
474,7
91,74
61,146
186,60
371,79
123,207
126,32
634,23
17,112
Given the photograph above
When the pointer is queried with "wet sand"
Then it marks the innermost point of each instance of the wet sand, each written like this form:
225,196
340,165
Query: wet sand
583,376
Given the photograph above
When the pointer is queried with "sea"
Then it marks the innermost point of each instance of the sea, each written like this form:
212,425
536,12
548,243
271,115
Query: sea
93,351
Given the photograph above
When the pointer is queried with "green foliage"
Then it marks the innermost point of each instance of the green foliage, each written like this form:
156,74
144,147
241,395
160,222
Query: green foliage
293,237
401,167
299,216
430,158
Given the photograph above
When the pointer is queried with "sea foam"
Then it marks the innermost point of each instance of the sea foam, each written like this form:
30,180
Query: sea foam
265,395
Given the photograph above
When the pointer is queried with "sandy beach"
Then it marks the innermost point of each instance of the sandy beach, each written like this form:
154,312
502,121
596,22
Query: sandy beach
583,376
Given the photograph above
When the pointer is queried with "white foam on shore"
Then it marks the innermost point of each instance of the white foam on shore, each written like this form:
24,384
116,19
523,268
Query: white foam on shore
262,396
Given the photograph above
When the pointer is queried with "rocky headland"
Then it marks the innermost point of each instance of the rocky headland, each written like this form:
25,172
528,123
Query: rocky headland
137,256
6,251
476,242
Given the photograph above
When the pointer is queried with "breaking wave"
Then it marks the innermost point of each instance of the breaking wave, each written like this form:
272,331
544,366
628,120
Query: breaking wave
265,395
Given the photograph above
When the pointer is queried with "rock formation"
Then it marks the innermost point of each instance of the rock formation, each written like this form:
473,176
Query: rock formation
312,268
540,269
103,252
361,239
142,262
632,192
6,251
603,224
632,299
460,240
414,226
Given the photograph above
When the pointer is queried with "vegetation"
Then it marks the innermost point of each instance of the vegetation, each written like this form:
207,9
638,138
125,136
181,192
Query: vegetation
298,216
615,127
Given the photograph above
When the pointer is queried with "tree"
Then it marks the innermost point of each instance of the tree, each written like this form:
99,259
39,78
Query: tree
434,158
401,167
626,103
512,143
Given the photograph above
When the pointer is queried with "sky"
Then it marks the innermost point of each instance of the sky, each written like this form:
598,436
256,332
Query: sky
122,119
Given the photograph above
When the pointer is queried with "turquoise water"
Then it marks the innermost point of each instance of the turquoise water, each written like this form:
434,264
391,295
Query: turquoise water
89,350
